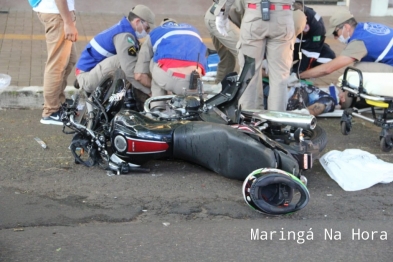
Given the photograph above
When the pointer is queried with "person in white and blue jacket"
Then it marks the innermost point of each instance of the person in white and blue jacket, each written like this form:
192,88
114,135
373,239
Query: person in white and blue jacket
368,45
59,21
115,47
170,54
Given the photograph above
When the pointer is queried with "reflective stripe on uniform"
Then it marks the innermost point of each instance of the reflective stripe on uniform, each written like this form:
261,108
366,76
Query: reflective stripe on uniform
384,53
311,54
323,60
298,41
175,32
100,49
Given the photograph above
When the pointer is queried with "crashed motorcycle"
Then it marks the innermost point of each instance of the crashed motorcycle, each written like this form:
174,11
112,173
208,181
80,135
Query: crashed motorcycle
269,150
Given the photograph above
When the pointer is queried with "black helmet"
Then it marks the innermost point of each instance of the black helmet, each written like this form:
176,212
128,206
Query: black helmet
271,191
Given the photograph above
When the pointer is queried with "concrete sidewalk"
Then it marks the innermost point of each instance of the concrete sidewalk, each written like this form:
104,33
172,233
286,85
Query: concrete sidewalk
23,49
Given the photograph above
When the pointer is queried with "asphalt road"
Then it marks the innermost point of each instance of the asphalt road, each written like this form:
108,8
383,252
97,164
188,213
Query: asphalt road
54,210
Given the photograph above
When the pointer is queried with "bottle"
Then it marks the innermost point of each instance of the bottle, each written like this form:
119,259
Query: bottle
42,143
333,93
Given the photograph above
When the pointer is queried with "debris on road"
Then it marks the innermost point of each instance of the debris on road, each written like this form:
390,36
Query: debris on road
42,143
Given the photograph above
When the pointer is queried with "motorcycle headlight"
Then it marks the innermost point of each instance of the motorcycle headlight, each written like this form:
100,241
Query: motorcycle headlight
120,143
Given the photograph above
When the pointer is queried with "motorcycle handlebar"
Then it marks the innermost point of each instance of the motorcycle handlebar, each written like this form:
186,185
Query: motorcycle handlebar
72,120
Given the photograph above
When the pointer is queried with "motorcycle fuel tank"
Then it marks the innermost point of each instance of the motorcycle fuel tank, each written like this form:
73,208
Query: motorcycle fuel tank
138,139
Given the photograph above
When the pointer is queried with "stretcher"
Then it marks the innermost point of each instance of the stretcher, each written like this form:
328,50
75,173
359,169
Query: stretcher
377,91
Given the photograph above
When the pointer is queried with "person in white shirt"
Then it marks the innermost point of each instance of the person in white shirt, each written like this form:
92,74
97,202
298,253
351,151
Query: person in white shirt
58,18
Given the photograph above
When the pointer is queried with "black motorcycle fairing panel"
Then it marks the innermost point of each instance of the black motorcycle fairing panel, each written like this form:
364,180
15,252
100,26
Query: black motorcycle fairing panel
138,125
143,138
222,149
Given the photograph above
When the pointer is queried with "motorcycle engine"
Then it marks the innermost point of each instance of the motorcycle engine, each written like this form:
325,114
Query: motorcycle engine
188,103
181,107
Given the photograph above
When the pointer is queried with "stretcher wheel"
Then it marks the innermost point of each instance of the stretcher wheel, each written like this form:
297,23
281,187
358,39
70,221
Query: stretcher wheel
386,144
345,128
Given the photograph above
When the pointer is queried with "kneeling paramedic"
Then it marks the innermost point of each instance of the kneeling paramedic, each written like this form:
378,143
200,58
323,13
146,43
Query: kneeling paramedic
115,47
175,55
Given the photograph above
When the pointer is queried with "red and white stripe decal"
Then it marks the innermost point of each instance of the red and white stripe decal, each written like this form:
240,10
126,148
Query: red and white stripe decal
139,146
241,127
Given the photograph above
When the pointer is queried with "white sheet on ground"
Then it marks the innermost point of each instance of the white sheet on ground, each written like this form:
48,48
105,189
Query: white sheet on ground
355,169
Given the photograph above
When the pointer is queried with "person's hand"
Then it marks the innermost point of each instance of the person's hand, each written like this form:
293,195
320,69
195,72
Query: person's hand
292,80
144,79
70,32
222,24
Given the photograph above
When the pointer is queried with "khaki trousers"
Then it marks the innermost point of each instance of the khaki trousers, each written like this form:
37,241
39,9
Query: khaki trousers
224,45
89,80
276,37
60,61
171,81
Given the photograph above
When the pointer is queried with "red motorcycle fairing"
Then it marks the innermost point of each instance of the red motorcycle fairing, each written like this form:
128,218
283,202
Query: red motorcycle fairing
228,151
139,146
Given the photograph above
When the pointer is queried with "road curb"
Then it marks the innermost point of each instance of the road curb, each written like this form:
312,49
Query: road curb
30,97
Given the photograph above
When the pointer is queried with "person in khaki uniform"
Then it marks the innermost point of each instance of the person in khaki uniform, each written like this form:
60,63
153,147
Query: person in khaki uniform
171,53
59,20
299,21
115,47
225,45
369,45
257,35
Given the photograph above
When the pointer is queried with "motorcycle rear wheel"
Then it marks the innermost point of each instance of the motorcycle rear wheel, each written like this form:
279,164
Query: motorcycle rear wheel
317,136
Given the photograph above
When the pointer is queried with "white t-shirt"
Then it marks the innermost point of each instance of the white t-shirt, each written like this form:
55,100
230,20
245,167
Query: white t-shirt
49,6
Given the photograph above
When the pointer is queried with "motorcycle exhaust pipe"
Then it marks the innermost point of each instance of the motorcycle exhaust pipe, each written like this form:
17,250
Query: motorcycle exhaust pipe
284,118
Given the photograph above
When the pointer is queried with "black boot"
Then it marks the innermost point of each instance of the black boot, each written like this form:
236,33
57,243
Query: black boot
76,84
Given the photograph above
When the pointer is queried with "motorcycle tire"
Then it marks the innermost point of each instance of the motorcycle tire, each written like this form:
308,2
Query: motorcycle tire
317,136
83,150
